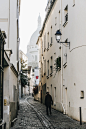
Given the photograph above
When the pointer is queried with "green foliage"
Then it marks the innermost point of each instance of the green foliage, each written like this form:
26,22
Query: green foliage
24,79
57,64
23,75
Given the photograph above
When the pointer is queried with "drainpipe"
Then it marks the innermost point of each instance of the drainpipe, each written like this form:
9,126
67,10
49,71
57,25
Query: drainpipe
8,23
63,108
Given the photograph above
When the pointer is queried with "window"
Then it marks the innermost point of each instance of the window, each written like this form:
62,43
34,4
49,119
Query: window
55,91
48,41
17,3
82,95
42,47
54,96
14,90
48,44
32,70
51,37
51,65
44,67
48,68
35,57
44,42
65,15
65,54
51,89
47,89
32,57
73,2
55,21
58,63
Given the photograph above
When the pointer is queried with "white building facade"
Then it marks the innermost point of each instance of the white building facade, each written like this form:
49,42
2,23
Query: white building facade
9,22
67,85
32,48
33,57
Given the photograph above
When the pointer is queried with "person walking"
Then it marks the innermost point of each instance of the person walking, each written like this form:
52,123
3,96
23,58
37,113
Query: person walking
48,102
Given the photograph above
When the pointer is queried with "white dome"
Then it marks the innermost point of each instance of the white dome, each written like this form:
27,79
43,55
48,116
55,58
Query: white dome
35,35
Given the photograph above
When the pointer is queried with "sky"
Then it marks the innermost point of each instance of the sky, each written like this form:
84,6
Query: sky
29,13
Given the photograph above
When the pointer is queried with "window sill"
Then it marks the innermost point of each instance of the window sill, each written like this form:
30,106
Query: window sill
65,23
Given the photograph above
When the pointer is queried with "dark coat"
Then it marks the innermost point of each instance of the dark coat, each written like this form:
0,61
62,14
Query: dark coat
48,100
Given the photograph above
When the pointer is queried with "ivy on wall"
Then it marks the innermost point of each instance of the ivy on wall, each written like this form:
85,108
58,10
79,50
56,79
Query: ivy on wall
57,65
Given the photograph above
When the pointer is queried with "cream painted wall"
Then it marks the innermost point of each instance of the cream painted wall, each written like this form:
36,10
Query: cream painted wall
69,81
54,52
74,73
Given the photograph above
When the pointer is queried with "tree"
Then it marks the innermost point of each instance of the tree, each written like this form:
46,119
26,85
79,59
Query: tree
23,74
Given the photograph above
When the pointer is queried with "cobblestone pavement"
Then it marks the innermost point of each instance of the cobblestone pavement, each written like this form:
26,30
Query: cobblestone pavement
32,115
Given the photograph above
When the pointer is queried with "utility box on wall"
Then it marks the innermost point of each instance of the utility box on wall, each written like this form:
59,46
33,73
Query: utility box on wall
5,102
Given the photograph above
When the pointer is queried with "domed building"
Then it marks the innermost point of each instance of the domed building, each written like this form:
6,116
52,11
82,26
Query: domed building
32,48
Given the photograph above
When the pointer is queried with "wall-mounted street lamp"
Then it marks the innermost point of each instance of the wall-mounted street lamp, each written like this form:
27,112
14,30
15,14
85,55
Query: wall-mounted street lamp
58,37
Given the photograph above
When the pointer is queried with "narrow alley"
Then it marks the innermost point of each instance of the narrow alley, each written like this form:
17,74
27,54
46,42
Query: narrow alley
32,115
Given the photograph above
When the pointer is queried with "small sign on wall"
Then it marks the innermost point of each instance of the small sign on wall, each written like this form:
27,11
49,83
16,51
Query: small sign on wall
5,102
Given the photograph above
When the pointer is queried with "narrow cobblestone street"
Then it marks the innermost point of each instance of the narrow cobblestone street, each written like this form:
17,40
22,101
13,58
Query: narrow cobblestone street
32,115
